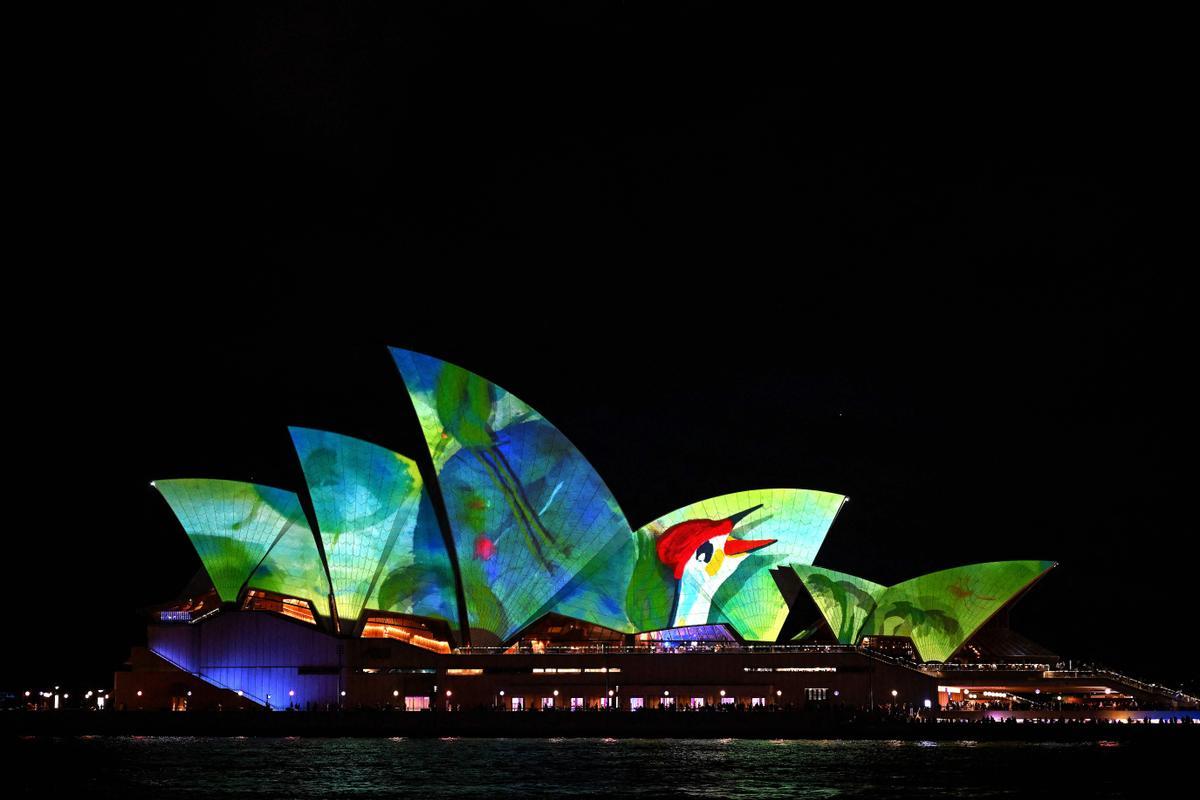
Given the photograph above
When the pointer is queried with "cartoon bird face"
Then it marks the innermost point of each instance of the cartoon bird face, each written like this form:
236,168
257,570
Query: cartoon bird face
702,554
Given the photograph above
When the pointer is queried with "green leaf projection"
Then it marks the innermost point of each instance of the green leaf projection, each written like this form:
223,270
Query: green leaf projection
598,592
231,524
293,567
939,611
650,595
845,601
527,512
417,577
725,566
381,539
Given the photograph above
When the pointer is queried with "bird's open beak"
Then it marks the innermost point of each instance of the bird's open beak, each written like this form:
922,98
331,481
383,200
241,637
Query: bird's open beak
741,515
739,547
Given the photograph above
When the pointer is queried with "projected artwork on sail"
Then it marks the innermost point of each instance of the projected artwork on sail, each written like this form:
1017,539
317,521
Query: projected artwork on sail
526,510
381,540
939,611
232,525
710,562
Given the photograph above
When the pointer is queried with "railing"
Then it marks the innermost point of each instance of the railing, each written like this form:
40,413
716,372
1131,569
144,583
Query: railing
210,680
660,647
1100,672
736,647
969,667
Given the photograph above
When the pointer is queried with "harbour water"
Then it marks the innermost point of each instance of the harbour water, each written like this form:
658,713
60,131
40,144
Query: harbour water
201,767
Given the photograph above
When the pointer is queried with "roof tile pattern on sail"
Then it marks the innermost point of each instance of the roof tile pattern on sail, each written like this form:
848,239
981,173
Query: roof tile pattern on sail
368,501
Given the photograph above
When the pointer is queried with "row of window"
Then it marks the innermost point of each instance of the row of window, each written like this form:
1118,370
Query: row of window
635,703
421,702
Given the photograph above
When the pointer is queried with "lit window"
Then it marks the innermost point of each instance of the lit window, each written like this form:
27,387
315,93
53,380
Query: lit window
416,703
518,704
635,703
547,702
758,701
813,693
697,702
577,703
727,701
666,702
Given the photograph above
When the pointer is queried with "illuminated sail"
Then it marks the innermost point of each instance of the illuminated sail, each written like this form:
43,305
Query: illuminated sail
845,601
231,524
939,612
380,537
727,578
527,512
942,610
293,566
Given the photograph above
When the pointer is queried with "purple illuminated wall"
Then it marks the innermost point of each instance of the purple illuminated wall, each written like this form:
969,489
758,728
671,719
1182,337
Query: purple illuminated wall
178,643
257,653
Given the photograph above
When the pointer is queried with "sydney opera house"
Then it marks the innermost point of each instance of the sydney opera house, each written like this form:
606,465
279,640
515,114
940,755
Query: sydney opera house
498,571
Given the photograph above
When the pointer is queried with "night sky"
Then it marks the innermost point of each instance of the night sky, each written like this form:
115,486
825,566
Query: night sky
719,250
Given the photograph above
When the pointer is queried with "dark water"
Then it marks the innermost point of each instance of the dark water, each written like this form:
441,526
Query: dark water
320,768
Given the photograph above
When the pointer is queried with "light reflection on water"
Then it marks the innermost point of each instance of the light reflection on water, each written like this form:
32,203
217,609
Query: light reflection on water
135,767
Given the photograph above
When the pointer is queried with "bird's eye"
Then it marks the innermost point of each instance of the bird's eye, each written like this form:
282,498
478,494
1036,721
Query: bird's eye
704,552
